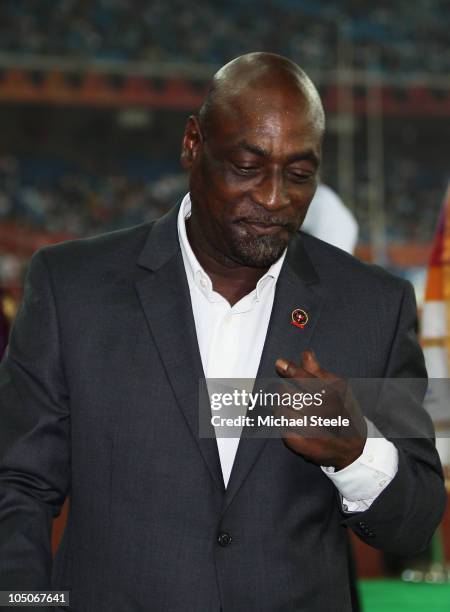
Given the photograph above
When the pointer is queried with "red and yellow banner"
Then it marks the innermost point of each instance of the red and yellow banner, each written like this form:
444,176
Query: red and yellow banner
436,327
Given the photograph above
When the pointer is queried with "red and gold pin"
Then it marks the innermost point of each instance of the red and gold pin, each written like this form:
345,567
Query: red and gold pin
299,318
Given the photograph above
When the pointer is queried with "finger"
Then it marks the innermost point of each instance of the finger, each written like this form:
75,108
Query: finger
294,440
289,369
310,363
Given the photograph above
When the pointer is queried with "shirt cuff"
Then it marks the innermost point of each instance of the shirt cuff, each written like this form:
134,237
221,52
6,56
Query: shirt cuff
361,482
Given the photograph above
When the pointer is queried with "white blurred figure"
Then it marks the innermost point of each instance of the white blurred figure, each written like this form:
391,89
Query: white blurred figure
330,220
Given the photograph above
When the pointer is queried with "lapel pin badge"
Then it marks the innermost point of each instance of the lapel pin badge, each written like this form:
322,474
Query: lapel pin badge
299,318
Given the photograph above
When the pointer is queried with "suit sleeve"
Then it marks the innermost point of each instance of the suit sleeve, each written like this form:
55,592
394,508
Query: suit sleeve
403,518
34,436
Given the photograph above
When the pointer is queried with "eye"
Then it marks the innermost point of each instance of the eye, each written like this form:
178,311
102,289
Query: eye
245,170
300,177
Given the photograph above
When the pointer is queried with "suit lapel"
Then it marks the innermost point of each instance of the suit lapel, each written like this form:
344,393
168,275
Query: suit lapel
297,287
165,299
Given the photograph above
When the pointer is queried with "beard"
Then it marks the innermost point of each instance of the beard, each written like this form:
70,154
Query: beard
257,251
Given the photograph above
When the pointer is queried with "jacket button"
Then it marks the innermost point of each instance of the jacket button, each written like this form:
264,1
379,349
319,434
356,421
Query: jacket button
224,539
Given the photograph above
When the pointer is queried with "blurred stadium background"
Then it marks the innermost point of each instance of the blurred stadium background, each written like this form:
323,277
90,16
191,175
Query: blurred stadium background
94,95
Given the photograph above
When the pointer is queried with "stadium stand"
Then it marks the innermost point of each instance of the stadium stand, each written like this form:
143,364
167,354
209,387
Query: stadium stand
67,168
393,37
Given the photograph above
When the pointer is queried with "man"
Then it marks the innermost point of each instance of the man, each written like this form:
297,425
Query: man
100,388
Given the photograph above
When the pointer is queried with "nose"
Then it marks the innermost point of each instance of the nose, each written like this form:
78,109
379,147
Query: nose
271,191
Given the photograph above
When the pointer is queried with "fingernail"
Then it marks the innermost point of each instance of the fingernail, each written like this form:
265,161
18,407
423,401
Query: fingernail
282,364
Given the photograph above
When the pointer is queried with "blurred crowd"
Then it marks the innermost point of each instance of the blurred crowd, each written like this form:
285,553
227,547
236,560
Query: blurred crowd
414,193
395,37
79,203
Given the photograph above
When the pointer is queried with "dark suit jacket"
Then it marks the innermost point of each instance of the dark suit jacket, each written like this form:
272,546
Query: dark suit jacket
99,401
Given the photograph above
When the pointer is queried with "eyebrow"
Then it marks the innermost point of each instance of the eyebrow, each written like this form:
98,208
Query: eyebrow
308,154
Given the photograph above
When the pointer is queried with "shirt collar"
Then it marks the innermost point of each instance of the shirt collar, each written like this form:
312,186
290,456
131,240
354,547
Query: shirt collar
197,275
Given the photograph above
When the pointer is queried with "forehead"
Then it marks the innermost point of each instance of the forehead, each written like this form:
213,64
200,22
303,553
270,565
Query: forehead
276,121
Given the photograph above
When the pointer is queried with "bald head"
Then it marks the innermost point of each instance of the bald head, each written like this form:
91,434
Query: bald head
260,79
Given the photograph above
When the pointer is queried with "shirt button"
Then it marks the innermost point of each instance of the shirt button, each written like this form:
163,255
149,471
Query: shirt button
370,458
224,539
203,282
382,483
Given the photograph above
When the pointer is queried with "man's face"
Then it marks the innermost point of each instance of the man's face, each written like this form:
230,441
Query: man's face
253,173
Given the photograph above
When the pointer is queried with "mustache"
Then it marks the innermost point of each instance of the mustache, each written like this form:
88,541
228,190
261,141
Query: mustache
267,220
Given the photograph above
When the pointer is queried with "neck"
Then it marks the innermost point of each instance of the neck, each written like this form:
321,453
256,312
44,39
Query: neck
232,280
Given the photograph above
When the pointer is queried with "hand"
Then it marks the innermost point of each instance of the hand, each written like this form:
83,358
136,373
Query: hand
333,446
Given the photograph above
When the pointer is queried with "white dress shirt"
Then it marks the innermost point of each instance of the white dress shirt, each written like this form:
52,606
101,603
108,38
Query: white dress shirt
231,340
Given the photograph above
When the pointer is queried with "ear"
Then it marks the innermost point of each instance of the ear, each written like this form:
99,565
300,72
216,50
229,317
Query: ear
192,141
